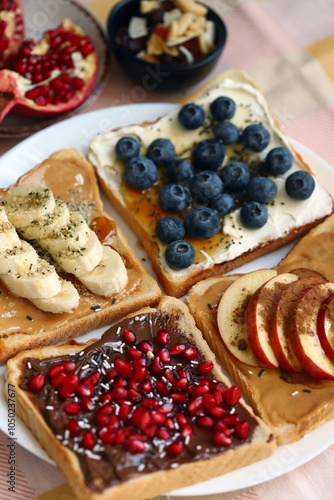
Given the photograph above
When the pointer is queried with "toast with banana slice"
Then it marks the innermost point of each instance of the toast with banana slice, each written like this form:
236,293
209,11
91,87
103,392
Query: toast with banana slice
65,268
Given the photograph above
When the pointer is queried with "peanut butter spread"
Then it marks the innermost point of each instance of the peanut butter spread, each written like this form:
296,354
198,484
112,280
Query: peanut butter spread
285,398
73,184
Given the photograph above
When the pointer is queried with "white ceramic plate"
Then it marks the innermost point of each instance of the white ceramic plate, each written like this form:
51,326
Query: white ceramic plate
77,132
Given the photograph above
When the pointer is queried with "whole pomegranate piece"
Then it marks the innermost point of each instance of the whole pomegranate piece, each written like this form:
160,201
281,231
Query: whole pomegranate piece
11,30
51,75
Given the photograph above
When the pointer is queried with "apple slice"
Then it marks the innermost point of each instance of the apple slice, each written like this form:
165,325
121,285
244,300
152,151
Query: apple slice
303,336
281,324
259,316
231,314
325,326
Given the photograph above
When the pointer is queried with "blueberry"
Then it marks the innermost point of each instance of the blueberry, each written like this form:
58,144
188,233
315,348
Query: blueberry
161,151
127,148
262,189
279,160
140,173
180,254
173,198
227,132
205,185
169,229
235,175
255,137
254,215
223,203
179,170
191,116
223,108
300,185
208,154
201,223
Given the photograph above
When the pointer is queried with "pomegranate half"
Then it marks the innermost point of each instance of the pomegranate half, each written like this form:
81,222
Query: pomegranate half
11,30
51,75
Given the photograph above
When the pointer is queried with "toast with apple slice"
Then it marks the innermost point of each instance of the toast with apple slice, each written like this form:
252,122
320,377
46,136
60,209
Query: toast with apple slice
194,153
279,348
144,410
27,323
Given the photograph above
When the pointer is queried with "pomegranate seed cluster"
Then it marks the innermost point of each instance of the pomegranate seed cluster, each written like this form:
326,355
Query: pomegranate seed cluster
38,68
142,395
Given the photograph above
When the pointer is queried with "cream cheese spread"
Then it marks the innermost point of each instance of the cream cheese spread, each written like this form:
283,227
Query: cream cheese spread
285,213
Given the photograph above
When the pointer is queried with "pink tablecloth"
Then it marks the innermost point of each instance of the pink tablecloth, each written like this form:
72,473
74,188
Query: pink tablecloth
288,47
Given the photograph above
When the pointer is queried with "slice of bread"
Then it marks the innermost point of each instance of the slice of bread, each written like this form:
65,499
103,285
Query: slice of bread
290,404
110,472
71,177
233,245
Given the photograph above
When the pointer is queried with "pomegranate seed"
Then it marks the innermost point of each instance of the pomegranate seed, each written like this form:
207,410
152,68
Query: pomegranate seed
190,352
164,355
209,401
163,337
58,380
87,404
146,346
161,388
157,365
199,390
242,429
106,397
139,369
119,436
221,439
181,419
178,397
71,382
55,370
134,395
216,412
32,94
83,390
134,353
136,437
129,337
40,100
168,374
120,382
113,422
65,393
37,382
72,408
204,381
125,368
135,446
78,83
175,449
205,421
233,395
88,441
162,434
169,424
195,405
150,430
218,397
205,367
182,373
150,403
107,409
146,386
94,377
180,384
119,392
187,430
221,426
101,420
107,436
69,366
166,408
158,417
176,349
73,427
141,417
133,385
112,373
124,412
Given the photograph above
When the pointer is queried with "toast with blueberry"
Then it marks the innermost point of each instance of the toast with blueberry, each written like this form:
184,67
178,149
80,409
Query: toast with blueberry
56,208
211,185
142,411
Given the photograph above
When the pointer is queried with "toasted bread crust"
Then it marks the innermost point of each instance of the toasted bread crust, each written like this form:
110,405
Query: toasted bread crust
144,485
147,291
175,285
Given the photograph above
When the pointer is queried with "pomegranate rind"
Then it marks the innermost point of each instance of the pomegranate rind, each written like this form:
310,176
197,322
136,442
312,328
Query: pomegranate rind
11,30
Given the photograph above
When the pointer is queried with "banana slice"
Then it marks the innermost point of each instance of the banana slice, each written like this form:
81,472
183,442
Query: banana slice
69,237
27,203
81,260
40,282
50,224
20,259
64,302
9,239
109,277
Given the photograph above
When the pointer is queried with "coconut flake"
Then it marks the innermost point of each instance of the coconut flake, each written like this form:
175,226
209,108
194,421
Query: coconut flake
187,54
137,27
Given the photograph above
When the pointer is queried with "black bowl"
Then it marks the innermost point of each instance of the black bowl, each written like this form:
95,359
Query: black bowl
154,76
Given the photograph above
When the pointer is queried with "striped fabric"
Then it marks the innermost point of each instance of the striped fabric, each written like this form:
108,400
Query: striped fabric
288,47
